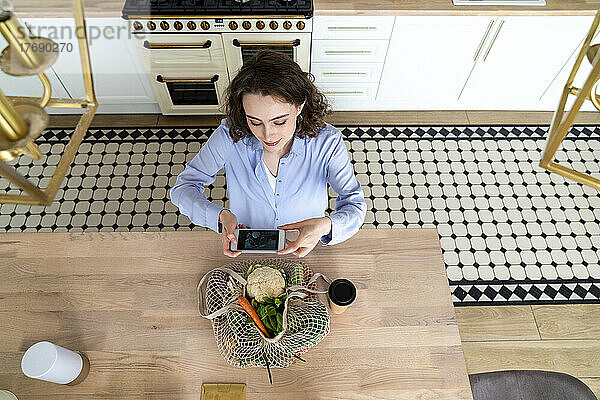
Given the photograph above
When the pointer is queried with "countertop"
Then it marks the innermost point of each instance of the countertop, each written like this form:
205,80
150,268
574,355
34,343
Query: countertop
112,8
128,301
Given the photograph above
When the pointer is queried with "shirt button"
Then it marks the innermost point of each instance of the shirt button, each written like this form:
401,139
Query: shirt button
277,194
279,181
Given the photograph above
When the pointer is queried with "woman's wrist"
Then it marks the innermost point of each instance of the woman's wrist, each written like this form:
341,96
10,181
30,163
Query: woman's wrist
326,226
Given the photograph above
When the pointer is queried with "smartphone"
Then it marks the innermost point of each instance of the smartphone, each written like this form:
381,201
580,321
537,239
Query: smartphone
258,240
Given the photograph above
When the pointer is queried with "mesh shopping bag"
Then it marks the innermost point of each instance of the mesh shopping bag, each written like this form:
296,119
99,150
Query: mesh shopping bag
240,342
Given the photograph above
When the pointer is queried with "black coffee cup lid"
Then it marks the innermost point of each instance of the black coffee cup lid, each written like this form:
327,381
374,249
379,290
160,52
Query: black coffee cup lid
342,292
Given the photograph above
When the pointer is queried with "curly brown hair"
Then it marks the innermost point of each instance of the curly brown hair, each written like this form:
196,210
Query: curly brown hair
270,73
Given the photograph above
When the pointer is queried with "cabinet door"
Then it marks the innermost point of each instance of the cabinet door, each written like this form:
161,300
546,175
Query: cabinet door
119,77
428,61
346,96
551,96
349,51
352,27
29,85
519,60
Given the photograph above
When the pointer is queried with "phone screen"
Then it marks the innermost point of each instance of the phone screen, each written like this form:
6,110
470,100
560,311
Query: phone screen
258,240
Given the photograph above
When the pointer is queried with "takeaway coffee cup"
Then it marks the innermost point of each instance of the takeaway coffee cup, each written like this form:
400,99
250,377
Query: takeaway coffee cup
52,363
6,395
341,294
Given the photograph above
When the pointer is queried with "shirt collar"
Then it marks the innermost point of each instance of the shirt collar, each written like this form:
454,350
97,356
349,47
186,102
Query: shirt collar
298,145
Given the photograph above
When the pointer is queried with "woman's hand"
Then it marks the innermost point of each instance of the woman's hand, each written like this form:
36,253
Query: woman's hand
229,224
311,231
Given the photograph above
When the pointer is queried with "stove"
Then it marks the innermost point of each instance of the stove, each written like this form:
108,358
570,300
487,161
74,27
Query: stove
191,49
204,8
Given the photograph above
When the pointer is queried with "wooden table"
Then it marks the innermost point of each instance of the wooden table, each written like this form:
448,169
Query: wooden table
128,301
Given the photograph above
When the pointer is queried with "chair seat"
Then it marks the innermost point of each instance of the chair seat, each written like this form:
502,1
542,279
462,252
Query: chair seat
528,385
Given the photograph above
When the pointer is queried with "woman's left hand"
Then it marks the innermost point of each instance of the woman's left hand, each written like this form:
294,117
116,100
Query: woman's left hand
311,231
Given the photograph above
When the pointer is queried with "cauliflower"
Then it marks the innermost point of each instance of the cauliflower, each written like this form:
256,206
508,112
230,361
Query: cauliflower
265,282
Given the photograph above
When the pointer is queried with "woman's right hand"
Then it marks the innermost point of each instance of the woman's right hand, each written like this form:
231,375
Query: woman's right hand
229,224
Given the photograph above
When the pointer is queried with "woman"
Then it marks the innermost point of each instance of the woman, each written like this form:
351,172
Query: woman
278,155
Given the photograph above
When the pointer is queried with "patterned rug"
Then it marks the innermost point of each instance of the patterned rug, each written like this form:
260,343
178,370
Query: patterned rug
511,232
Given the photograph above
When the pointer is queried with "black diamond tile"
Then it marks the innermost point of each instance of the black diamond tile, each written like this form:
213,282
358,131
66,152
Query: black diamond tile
475,293
460,293
580,291
550,291
594,291
490,293
535,292
505,292
565,291
520,292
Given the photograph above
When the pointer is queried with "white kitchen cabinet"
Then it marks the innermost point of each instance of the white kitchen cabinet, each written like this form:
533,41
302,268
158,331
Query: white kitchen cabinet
429,60
347,96
120,81
347,57
349,51
29,85
356,72
352,27
553,91
520,58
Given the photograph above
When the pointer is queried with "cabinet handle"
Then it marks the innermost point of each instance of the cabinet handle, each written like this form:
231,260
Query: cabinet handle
153,46
344,73
487,32
351,28
493,41
348,52
293,43
355,92
160,79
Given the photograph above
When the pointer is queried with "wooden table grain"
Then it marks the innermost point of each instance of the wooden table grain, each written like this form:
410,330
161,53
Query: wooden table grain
128,301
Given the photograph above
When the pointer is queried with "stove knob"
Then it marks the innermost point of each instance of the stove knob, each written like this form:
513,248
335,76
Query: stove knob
273,25
164,25
246,25
260,25
300,25
151,25
287,25
178,25
191,25
204,25
137,26
233,25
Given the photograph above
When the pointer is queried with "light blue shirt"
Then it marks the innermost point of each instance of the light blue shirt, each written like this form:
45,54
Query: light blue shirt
300,190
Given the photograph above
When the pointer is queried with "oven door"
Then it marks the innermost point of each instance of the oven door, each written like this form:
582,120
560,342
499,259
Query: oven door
189,93
239,47
187,72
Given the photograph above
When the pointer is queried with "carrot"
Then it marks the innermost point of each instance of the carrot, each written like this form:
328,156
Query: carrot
250,310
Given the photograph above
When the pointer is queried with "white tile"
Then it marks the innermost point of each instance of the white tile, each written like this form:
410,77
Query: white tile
501,272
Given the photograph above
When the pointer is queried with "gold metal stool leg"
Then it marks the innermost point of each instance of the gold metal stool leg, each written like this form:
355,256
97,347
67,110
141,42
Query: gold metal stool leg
19,116
561,123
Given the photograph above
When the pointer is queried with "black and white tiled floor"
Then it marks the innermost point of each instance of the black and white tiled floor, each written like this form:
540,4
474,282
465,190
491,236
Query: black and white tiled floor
510,231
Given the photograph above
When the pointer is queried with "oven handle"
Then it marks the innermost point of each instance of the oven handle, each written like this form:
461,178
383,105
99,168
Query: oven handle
294,43
153,46
160,79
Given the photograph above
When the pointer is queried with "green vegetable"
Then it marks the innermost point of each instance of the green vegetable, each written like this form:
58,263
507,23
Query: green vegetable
255,266
271,313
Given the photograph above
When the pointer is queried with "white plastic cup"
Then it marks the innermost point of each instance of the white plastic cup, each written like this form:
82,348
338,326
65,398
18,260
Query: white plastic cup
49,362
6,395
